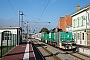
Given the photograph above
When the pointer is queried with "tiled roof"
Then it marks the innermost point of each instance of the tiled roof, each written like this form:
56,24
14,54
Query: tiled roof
64,21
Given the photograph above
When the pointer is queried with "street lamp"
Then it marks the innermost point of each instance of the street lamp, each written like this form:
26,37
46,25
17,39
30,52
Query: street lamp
21,13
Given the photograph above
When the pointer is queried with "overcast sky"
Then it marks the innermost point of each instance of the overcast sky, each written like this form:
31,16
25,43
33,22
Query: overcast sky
40,11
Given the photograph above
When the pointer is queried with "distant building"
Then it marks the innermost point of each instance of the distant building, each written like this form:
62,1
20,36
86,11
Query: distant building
81,25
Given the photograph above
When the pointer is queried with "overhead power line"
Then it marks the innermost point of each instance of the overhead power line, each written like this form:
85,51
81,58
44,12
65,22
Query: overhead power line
80,1
42,7
12,7
41,22
45,8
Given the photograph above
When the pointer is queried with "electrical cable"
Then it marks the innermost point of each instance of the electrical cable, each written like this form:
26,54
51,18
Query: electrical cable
80,1
12,7
42,7
45,8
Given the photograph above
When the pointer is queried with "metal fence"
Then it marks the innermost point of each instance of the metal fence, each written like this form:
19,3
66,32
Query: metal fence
7,42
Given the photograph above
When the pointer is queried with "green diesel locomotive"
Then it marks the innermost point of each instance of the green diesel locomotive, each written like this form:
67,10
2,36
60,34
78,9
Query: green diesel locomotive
62,40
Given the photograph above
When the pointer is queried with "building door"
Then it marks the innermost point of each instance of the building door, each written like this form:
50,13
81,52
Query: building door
78,40
83,39
75,37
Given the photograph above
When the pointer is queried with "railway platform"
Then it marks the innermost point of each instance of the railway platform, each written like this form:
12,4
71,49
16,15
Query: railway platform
24,51
84,49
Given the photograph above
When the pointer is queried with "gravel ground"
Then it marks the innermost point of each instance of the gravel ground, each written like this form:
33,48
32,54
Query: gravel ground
62,55
82,56
44,52
37,53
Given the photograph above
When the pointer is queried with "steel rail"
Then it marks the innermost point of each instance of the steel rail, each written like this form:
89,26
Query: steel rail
83,54
68,53
51,54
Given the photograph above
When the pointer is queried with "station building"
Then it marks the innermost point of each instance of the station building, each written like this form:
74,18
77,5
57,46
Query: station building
81,25
10,36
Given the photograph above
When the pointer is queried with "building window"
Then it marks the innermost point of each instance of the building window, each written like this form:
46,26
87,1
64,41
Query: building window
74,36
82,36
83,18
74,23
78,36
78,21
7,36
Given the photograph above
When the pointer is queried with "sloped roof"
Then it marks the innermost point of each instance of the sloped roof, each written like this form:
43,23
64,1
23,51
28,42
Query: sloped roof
64,21
81,10
9,28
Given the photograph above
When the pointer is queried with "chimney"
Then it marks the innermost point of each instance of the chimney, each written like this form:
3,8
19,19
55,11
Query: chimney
77,7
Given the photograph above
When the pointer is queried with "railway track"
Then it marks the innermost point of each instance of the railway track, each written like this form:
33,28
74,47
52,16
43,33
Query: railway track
80,56
76,56
50,55
71,53
38,54
84,57
83,54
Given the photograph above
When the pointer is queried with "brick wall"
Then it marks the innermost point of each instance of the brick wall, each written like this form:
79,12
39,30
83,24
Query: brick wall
88,38
80,38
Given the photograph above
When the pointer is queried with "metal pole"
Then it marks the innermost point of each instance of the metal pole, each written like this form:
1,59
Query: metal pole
27,31
19,18
18,36
22,27
18,28
19,25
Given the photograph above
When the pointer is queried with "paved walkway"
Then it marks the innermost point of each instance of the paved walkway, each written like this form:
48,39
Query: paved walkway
23,51
84,49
